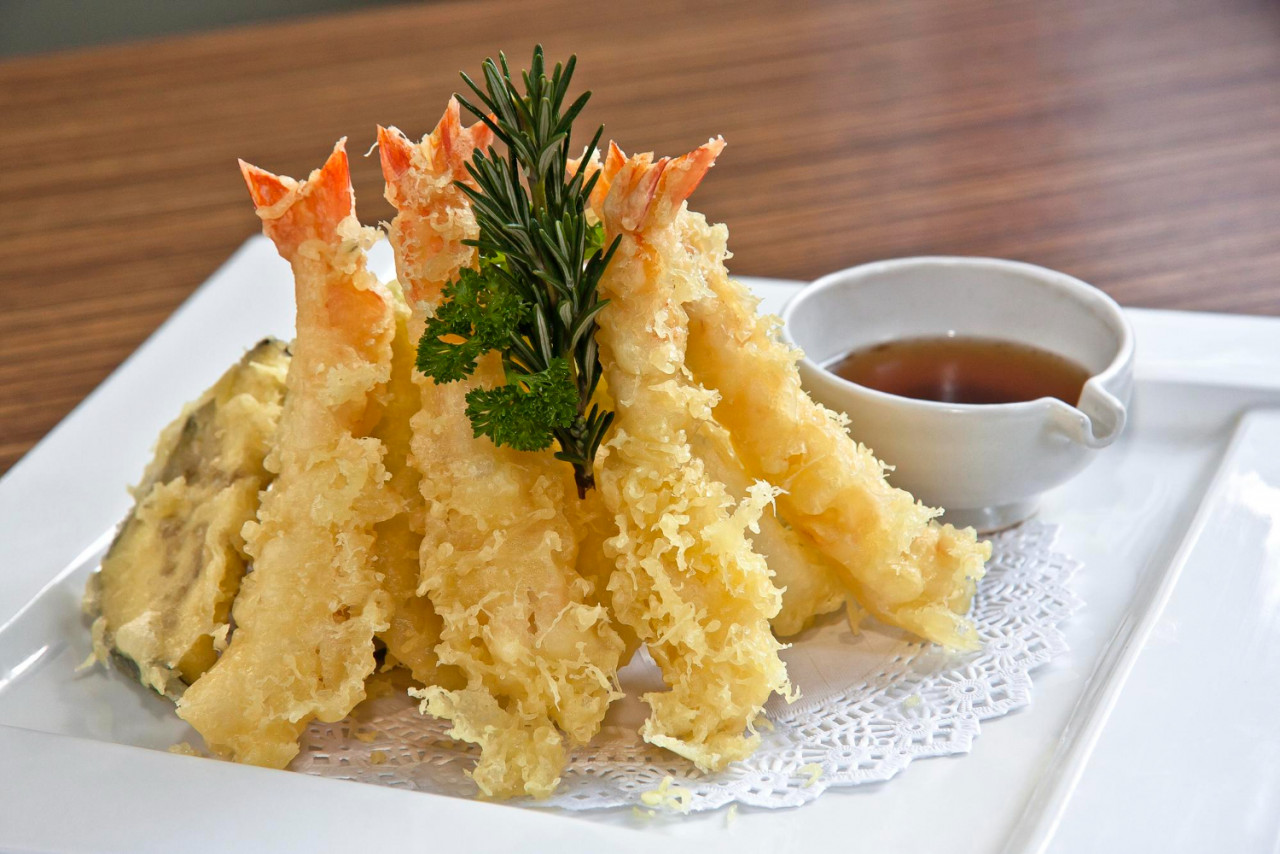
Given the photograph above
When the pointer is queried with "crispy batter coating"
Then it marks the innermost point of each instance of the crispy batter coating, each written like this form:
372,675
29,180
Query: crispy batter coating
414,628
499,558
897,563
500,546
687,581
596,527
307,613
163,596
808,579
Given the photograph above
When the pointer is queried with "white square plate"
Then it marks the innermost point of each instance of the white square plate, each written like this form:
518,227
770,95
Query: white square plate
1153,707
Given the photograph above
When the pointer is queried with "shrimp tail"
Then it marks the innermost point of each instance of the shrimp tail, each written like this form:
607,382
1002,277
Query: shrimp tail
449,147
641,193
396,153
422,181
292,212
454,143
605,171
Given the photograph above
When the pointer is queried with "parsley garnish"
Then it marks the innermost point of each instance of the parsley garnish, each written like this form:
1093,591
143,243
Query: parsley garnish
534,297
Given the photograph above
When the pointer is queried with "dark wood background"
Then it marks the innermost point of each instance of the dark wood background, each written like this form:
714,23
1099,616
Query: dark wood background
1135,144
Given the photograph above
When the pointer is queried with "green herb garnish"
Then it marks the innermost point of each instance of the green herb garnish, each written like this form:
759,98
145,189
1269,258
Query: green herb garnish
534,297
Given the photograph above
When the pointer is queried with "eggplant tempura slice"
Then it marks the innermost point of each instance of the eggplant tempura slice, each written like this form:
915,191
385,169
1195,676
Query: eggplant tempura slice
687,580
499,550
307,614
162,599
896,562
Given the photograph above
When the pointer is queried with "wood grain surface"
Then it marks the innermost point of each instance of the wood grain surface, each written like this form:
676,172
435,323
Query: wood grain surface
1131,143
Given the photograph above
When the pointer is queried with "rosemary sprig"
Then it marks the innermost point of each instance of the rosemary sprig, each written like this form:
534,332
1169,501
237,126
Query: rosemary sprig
534,297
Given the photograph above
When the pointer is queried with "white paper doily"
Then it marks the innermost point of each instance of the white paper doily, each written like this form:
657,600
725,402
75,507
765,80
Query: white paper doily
870,704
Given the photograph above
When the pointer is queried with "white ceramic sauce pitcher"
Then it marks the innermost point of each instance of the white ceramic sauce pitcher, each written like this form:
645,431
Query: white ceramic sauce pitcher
986,464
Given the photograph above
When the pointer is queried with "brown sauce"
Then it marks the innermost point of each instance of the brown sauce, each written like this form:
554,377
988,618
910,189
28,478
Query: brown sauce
963,370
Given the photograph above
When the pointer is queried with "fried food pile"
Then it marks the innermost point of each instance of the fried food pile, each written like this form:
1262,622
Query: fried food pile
313,515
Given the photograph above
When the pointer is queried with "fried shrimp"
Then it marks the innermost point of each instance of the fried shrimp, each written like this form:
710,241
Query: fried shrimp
808,579
307,613
537,652
896,562
687,580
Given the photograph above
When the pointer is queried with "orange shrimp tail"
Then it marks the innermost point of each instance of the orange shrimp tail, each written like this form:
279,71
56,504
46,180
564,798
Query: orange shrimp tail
641,193
446,151
453,144
588,166
607,169
396,153
614,160
265,188
293,213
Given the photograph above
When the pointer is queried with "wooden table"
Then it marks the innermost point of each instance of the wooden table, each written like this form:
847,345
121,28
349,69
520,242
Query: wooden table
1133,144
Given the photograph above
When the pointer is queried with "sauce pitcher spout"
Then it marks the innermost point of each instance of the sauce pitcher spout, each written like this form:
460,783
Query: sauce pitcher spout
1095,421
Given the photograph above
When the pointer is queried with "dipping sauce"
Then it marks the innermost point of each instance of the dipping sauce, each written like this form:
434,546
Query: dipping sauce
963,370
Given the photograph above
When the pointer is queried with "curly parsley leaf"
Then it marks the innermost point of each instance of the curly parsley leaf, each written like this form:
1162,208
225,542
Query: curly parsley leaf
526,412
480,312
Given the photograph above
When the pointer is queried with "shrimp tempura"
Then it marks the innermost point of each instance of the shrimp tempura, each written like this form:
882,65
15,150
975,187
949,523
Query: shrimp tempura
498,556
687,580
808,579
307,613
897,563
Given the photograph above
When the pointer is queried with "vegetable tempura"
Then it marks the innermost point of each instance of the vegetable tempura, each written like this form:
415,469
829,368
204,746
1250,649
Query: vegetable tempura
163,597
